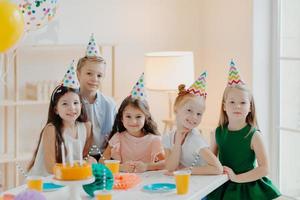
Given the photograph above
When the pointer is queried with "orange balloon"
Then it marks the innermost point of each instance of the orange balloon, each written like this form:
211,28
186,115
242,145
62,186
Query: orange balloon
11,25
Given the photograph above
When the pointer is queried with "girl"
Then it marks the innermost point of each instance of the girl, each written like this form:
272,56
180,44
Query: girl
184,147
67,123
101,110
135,140
238,143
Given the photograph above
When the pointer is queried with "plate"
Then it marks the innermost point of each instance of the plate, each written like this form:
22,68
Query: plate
159,187
48,187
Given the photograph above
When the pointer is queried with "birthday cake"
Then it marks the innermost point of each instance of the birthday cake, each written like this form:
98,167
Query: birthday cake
72,173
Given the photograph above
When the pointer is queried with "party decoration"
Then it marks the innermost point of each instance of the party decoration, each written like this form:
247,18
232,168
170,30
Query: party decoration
38,13
138,91
92,48
234,77
103,179
199,86
70,79
11,25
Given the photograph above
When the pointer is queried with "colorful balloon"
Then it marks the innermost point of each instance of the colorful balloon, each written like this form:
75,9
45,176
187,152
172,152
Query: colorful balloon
11,25
37,13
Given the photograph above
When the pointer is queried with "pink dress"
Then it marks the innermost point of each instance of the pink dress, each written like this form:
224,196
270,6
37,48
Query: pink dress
126,147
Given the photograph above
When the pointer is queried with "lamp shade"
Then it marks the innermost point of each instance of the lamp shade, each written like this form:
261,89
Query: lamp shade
166,70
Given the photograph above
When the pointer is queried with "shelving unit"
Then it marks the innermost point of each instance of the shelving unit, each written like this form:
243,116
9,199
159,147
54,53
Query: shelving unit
19,119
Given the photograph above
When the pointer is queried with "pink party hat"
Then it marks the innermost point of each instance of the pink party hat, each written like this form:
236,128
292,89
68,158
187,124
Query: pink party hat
198,87
70,79
234,77
138,90
92,48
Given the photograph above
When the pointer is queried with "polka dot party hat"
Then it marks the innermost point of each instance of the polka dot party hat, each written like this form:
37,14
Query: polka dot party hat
234,77
199,86
70,79
92,48
138,90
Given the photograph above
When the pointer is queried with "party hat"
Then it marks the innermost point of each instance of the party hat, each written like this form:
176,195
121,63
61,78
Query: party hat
92,48
234,77
70,79
198,87
138,90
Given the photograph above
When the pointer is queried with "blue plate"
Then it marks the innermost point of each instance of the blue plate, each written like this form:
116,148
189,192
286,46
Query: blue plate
159,187
47,187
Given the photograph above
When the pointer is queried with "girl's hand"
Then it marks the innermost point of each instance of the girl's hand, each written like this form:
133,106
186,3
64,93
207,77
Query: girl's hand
140,167
232,176
127,167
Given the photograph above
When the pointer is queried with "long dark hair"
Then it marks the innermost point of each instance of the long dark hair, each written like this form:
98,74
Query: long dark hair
57,122
150,126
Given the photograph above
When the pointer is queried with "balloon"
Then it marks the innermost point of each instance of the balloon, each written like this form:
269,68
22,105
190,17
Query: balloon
37,13
11,25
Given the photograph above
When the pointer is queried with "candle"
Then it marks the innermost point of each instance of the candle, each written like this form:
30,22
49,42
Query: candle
63,155
80,154
71,154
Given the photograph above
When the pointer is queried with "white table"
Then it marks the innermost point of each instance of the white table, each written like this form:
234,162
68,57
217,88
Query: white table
199,187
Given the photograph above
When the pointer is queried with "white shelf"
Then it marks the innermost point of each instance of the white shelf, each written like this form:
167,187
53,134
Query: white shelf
23,102
8,158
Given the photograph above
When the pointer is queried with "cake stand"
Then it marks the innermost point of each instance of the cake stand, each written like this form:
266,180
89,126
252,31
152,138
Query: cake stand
75,186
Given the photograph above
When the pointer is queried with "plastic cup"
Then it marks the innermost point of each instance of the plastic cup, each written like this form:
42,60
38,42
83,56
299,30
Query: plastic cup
113,165
182,179
103,195
35,183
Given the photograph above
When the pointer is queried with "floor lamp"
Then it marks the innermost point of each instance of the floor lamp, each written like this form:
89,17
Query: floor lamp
164,71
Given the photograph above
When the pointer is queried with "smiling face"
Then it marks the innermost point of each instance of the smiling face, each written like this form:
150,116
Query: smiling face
90,76
68,107
237,105
189,112
133,120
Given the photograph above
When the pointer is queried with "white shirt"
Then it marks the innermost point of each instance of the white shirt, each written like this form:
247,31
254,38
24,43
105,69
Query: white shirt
191,147
39,168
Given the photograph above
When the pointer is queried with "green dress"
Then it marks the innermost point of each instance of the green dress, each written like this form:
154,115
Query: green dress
235,152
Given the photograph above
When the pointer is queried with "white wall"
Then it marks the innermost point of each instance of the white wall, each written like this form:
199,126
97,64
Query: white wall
136,27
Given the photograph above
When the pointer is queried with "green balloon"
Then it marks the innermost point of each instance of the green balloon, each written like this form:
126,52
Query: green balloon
99,170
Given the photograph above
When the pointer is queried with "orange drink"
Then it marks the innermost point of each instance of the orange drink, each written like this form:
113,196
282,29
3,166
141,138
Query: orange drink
113,165
103,195
182,179
35,183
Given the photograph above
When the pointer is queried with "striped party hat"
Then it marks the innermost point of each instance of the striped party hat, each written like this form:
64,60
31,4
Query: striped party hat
234,77
138,90
198,87
70,79
92,48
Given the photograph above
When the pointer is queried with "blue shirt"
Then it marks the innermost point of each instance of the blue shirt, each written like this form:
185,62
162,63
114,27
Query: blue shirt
102,114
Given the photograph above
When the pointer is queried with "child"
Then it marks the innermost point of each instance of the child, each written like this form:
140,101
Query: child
184,147
67,123
135,140
238,143
101,110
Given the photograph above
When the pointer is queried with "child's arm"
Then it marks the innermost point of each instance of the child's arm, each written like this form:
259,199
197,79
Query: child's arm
262,161
173,155
213,143
213,164
142,167
106,154
89,139
49,147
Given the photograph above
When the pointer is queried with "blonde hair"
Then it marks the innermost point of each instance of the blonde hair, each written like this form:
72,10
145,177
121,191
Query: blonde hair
96,59
250,118
182,97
